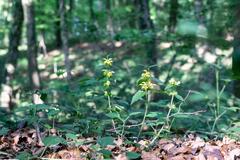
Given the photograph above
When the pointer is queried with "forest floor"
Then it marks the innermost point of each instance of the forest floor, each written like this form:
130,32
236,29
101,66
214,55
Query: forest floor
191,147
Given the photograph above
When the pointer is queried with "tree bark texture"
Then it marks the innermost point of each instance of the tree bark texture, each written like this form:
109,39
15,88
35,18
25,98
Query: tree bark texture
146,26
33,72
64,38
236,51
12,55
173,13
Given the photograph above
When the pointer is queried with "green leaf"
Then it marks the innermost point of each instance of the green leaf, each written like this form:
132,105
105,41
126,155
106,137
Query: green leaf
179,97
53,140
137,96
39,106
234,129
113,115
104,141
154,115
43,97
197,96
133,155
106,153
122,103
234,109
71,136
23,156
134,113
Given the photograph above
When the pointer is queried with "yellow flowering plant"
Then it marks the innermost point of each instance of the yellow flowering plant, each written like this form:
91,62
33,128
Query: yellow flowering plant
107,73
107,62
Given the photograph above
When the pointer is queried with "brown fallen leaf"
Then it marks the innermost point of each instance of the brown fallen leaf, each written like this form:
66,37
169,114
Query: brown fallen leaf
181,150
168,147
178,157
234,154
71,154
163,141
200,156
118,142
121,157
149,156
212,152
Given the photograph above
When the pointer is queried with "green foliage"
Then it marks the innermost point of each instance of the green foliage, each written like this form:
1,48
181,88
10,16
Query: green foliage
104,141
137,96
53,140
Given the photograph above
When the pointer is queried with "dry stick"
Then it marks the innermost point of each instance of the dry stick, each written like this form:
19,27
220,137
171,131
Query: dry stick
133,125
40,142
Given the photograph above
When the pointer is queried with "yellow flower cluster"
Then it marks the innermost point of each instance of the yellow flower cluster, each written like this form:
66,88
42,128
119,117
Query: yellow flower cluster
146,85
107,62
174,82
107,83
146,74
145,79
107,73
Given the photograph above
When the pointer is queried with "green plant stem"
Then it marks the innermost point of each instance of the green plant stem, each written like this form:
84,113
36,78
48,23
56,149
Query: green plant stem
167,122
215,121
169,111
44,150
158,134
124,125
217,93
145,113
110,109
53,123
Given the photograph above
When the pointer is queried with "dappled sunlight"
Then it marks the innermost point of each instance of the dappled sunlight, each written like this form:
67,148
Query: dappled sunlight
165,45
119,79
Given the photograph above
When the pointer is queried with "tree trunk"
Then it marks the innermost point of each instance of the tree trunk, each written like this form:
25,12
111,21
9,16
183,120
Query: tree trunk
146,25
109,26
64,38
91,10
199,12
132,19
173,15
58,39
12,55
236,52
33,72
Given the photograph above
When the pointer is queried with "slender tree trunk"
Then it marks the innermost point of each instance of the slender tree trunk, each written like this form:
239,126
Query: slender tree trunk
58,39
199,12
91,10
109,26
146,25
173,15
64,38
133,19
33,72
236,52
14,37
12,55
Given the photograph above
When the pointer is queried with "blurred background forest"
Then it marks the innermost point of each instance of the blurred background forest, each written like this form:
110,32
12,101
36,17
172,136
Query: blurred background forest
51,55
